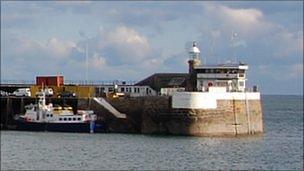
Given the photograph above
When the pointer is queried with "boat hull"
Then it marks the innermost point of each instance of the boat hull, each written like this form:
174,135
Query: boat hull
59,127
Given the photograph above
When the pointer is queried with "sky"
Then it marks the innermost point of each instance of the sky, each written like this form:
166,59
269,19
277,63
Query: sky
133,39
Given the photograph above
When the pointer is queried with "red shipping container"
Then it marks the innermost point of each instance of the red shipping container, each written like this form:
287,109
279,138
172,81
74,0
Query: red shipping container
49,80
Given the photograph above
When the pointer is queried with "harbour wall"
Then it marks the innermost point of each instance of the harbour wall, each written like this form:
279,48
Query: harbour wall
230,115
160,115
229,119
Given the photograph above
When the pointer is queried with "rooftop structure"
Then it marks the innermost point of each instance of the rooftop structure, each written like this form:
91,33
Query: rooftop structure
231,77
165,80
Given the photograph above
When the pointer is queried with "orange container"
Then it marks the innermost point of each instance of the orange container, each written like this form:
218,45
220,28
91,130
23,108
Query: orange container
49,80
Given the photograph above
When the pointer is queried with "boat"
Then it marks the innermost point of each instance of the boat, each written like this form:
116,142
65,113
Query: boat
49,117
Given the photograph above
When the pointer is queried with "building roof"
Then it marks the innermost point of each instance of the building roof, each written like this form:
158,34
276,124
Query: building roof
162,80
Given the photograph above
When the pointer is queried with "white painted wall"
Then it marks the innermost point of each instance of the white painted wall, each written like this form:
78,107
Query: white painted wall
189,100
208,100
171,91
217,89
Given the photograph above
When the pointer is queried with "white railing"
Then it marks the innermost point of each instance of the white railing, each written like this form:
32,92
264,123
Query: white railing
217,75
75,82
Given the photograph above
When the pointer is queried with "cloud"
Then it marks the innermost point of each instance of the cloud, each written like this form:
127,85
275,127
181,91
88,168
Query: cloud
277,79
122,45
18,46
249,22
24,58
281,72
259,39
57,48
288,43
110,51
246,18
97,61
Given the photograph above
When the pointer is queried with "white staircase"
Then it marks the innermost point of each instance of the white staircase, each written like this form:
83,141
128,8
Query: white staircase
109,107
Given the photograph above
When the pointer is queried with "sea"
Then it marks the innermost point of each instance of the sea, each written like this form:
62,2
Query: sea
279,148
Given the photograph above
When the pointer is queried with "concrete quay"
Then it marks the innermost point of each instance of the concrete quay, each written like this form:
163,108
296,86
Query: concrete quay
155,115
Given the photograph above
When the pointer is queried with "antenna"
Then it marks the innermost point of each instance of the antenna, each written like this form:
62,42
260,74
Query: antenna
84,36
233,39
87,61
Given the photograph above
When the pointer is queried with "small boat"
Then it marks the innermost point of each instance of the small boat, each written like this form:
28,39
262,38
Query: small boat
49,117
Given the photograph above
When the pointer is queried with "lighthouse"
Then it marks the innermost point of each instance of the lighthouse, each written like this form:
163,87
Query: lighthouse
194,57
194,62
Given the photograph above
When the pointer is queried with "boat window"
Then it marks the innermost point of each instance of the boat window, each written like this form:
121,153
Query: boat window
78,119
51,115
47,115
69,119
64,119
60,119
74,119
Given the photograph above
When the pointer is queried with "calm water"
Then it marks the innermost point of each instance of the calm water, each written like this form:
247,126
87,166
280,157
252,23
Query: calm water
280,148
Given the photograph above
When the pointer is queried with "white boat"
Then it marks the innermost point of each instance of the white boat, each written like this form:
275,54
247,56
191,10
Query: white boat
48,117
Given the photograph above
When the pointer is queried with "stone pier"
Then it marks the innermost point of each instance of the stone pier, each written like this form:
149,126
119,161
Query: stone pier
156,115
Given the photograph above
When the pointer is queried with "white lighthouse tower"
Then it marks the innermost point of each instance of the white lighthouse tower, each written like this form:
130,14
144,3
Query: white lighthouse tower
194,57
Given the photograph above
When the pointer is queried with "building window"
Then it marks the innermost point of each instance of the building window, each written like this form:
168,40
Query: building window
241,83
122,89
241,71
110,89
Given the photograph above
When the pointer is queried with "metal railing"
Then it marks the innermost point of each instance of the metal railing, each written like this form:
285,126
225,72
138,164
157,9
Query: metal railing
73,82
7,81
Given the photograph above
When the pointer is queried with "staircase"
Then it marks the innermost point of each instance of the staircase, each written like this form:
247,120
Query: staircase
101,101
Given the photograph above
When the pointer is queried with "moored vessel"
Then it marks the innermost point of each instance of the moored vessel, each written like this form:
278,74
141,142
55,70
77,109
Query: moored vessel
49,117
